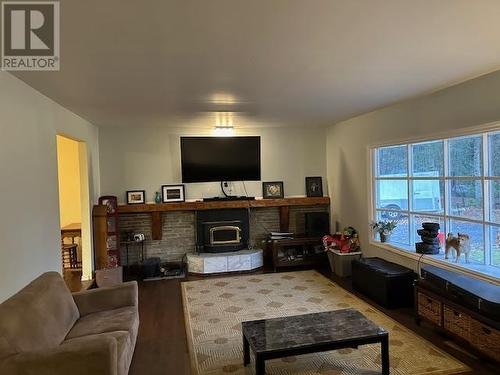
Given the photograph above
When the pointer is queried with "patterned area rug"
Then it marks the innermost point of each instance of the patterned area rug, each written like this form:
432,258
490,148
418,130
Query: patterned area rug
215,308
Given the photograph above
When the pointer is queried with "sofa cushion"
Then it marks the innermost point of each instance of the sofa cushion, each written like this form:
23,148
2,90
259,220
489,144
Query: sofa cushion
37,317
124,347
122,319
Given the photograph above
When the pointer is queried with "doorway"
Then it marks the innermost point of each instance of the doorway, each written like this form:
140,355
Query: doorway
74,211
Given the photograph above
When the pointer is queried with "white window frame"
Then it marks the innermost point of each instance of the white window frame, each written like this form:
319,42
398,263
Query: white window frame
446,217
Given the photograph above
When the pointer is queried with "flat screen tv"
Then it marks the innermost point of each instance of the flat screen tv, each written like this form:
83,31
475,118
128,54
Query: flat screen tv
206,159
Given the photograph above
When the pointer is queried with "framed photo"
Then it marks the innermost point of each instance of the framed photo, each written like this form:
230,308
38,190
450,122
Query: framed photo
314,186
136,197
273,190
173,193
110,201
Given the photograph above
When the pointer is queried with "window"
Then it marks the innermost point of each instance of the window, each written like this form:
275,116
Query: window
454,182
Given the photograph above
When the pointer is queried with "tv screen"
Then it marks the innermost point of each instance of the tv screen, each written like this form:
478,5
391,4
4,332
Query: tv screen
206,159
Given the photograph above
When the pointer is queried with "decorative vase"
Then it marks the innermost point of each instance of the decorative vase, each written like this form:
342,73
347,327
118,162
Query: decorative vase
157,197
385,237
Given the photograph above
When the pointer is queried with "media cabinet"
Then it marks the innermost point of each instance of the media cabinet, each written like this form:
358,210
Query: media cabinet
449,308
156,211
304,250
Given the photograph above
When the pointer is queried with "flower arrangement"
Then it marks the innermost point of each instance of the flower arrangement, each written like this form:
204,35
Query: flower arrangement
384,229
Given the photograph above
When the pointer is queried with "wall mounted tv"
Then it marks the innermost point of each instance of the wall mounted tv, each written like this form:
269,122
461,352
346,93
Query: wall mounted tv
206,159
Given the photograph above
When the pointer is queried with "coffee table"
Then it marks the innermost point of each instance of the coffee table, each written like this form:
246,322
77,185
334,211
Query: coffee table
310,333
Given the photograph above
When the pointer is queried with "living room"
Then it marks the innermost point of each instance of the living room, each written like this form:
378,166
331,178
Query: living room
278,187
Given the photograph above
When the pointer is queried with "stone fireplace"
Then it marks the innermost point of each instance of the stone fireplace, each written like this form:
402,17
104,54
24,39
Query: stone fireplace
180,231
222,242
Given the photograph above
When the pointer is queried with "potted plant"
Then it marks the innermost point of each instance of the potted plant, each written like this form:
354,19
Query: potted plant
384,229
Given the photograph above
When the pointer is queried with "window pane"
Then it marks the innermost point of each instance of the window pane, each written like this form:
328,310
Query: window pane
465,156
428,159
466,199
495,201
417,224
401,234
476,235
495,245
494,146
392,161
392,194
427,196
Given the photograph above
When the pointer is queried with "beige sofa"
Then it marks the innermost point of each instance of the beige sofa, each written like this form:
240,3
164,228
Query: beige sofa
44,329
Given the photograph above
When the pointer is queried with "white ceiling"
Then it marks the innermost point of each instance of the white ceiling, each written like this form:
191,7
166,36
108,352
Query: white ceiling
293,62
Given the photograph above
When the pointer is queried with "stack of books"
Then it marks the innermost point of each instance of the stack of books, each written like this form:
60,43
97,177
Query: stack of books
280,236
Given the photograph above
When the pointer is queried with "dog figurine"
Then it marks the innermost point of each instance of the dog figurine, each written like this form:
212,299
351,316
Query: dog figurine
461,244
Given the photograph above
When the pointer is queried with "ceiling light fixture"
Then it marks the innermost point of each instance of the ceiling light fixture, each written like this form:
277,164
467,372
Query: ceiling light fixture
224,124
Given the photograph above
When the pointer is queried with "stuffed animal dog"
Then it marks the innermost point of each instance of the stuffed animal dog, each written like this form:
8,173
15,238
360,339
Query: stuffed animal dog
461,244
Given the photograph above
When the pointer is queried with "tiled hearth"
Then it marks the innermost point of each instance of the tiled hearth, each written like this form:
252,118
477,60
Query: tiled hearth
238,261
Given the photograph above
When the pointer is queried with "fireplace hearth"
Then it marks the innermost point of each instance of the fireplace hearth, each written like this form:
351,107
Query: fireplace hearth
221,231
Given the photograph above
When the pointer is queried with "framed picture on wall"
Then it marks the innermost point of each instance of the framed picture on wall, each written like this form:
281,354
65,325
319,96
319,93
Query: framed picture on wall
314,186
273,190
136,197
173,193
111,203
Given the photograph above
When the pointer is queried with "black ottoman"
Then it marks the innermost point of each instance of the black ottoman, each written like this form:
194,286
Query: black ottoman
388,284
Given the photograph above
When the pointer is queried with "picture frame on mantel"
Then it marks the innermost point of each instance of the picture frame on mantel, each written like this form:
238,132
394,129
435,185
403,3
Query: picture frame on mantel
273,190
173,193
314,186
136,197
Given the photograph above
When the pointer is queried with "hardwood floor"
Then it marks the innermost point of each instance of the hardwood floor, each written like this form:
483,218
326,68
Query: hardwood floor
162,345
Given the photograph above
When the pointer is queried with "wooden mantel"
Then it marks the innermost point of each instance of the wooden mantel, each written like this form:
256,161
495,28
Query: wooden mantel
214,205
284,205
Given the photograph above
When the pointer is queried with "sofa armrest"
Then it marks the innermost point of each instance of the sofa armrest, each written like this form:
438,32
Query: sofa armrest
102,299
88,355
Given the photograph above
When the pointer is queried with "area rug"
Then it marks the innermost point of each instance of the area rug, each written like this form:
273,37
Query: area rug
215,308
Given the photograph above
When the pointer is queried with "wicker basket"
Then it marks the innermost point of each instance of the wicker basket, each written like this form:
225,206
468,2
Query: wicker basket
457,322
429,308
485,338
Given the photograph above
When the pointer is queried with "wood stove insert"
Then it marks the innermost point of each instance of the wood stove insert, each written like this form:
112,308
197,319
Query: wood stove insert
220,231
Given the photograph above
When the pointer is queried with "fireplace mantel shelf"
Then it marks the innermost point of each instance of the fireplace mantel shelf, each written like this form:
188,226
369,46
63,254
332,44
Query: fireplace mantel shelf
156,210
199,205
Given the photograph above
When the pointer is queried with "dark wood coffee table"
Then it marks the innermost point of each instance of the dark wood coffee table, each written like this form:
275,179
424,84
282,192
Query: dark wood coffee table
310,333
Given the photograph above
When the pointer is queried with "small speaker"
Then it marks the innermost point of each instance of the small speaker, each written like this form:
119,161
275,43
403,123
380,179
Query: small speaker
317,224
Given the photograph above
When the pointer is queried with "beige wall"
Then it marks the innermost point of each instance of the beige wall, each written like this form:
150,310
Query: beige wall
68,170
29,223
146,158
469,104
